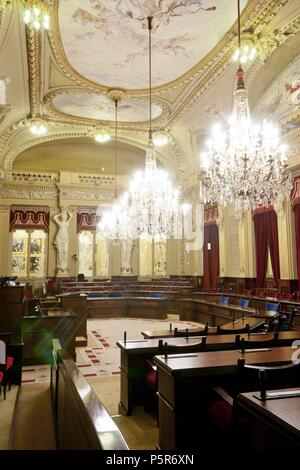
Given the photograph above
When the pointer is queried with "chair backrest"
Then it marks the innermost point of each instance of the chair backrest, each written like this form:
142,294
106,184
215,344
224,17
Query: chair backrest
279,376
194,332
224,300
271,307
4,343
244,303
158,295
94,294
115,293
184,347
226,331
261,343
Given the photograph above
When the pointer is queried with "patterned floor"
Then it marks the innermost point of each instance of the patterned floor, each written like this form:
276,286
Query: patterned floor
102,357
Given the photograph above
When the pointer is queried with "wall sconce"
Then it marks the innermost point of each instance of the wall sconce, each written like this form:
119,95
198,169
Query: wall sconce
209,246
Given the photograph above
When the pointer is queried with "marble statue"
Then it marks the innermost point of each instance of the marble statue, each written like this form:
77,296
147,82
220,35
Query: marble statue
62,241
127,247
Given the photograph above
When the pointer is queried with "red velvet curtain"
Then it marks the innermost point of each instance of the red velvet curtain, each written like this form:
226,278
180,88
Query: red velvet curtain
297,227
211,257
266,235
273,245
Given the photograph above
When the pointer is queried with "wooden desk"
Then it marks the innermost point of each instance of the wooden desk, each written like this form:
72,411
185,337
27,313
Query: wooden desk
138,307
184,390
275,423
213,313
253,323
255,302
135,352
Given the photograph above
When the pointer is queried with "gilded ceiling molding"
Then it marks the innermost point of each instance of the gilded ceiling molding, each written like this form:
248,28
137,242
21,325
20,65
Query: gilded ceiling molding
52,111
4,137
26,143
269,42
257,11
258,19
4,6
34,67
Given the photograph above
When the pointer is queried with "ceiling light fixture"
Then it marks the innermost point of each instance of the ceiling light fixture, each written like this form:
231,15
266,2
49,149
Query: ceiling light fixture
37,126
102,136
36,15
150,208
160,138
247,165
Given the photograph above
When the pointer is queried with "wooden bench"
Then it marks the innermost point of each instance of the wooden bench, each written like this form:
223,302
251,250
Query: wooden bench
81,420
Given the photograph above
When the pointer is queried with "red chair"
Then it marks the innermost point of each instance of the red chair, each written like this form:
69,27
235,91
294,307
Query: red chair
6,362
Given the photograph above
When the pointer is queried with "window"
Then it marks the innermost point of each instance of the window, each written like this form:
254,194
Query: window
29,253
153,257
93,254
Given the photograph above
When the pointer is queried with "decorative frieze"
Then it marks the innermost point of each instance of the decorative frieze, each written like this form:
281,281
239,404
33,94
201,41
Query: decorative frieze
27,191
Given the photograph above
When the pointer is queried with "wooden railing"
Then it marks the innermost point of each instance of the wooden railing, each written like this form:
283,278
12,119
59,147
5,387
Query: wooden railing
81,420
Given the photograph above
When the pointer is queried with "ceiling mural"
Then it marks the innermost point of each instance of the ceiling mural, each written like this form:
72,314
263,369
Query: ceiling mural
95,106
106,41
282,98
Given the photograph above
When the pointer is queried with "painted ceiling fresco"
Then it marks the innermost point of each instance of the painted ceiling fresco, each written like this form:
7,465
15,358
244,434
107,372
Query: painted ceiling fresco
93,106
283,96
106,41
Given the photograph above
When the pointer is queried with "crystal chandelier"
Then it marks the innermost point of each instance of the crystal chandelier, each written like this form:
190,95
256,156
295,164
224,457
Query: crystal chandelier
115,224
36,15
247,165
150,208
152,202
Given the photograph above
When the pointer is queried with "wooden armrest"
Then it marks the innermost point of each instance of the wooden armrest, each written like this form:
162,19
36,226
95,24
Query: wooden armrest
224,395
151,364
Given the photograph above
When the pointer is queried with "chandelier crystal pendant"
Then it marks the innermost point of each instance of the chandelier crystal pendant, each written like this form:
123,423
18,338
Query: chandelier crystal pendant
247,166
36,15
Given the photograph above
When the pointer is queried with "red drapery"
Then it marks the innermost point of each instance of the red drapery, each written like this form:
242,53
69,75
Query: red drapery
211,257
297,227
266,235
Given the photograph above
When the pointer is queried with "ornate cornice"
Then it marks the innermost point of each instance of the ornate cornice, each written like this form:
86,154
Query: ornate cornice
27,142
74,192
27,191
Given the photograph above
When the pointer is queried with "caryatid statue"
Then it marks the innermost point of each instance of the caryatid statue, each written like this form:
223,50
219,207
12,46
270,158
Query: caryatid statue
61,242
127,247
